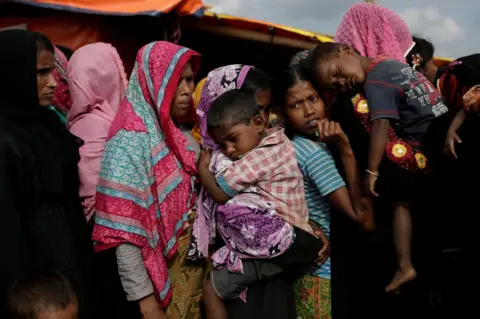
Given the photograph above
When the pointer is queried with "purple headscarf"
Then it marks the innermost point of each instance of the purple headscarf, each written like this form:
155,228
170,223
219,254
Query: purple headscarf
218,81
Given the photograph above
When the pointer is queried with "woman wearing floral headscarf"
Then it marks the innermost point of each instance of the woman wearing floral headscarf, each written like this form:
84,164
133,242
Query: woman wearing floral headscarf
146,186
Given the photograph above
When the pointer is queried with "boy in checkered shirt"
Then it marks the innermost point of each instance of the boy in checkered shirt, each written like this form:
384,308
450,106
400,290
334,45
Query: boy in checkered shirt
262,216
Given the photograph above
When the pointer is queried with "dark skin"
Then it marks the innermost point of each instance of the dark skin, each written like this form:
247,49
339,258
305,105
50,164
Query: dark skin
341,71
305,113
234,142
45,80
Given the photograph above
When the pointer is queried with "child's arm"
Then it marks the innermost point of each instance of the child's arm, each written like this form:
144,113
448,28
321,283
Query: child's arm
349,200
378,142
452,136
208,180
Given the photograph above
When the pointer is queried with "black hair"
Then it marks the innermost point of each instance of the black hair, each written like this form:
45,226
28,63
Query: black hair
67,51
40,293
423,47
322,52
232,108
255,80
284,81
43,43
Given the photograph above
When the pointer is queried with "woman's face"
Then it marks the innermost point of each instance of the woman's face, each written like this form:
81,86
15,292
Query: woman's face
303,108
183,95
45,81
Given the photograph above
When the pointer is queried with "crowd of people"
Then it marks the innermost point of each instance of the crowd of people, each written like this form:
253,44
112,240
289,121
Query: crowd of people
157,196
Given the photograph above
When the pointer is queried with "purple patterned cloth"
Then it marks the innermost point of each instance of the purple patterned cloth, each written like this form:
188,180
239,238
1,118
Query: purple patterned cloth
250,227
300,56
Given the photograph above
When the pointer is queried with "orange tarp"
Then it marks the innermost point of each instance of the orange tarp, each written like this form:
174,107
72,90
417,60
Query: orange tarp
121,7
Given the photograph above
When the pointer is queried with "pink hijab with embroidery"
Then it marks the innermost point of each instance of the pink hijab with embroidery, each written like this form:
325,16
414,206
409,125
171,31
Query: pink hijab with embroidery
97,82
374,30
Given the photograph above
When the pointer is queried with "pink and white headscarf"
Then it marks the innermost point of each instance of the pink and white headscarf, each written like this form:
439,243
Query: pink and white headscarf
97,83
374,30
61,99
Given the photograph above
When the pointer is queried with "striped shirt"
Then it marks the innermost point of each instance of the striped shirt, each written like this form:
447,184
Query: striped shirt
321,178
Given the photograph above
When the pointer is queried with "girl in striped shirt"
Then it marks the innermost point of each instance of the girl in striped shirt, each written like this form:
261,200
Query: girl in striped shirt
303,112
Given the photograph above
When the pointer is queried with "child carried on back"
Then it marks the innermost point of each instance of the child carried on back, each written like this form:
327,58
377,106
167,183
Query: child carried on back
401,104
263,218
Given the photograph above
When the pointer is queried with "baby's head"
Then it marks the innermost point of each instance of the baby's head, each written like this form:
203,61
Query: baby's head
43,296
235,123
337,67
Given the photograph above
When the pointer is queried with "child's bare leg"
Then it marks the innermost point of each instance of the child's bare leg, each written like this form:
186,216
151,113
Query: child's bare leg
402,232
214,307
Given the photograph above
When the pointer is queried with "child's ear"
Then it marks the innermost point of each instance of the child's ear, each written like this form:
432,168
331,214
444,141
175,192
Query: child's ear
345,49
259,123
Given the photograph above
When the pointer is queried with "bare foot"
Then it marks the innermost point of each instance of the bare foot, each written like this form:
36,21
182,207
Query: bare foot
402,276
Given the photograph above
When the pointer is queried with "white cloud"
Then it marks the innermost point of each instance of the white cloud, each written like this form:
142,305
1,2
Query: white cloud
430,22
282,9
227,6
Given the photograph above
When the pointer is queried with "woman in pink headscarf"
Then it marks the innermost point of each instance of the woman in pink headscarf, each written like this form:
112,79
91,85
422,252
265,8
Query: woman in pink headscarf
373,30
97,82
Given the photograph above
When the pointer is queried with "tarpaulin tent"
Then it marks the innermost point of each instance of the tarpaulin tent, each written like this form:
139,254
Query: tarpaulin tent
127,24
121,7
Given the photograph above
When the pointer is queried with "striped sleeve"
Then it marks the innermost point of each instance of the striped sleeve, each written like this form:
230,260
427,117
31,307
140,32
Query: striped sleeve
321,170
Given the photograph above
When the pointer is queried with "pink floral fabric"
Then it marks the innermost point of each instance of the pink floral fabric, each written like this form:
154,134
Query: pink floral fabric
146,186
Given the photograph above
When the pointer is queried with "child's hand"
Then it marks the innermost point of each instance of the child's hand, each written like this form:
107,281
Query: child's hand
331,133
450,141
324,253
369,184
205,158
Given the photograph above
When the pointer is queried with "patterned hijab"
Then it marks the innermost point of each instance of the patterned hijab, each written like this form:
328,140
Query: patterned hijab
146,183
218,81
299,57
374,30
62,99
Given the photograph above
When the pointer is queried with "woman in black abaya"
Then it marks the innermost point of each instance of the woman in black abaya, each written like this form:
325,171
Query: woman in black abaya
43,223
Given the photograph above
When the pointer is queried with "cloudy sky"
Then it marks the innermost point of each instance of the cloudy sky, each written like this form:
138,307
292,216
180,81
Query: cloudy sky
452,25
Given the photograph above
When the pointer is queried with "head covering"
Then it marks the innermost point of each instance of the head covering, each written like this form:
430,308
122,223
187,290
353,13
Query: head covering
97,86
196,98
458,78
61,100
35,127
146,183
300,56
374,30
219,81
